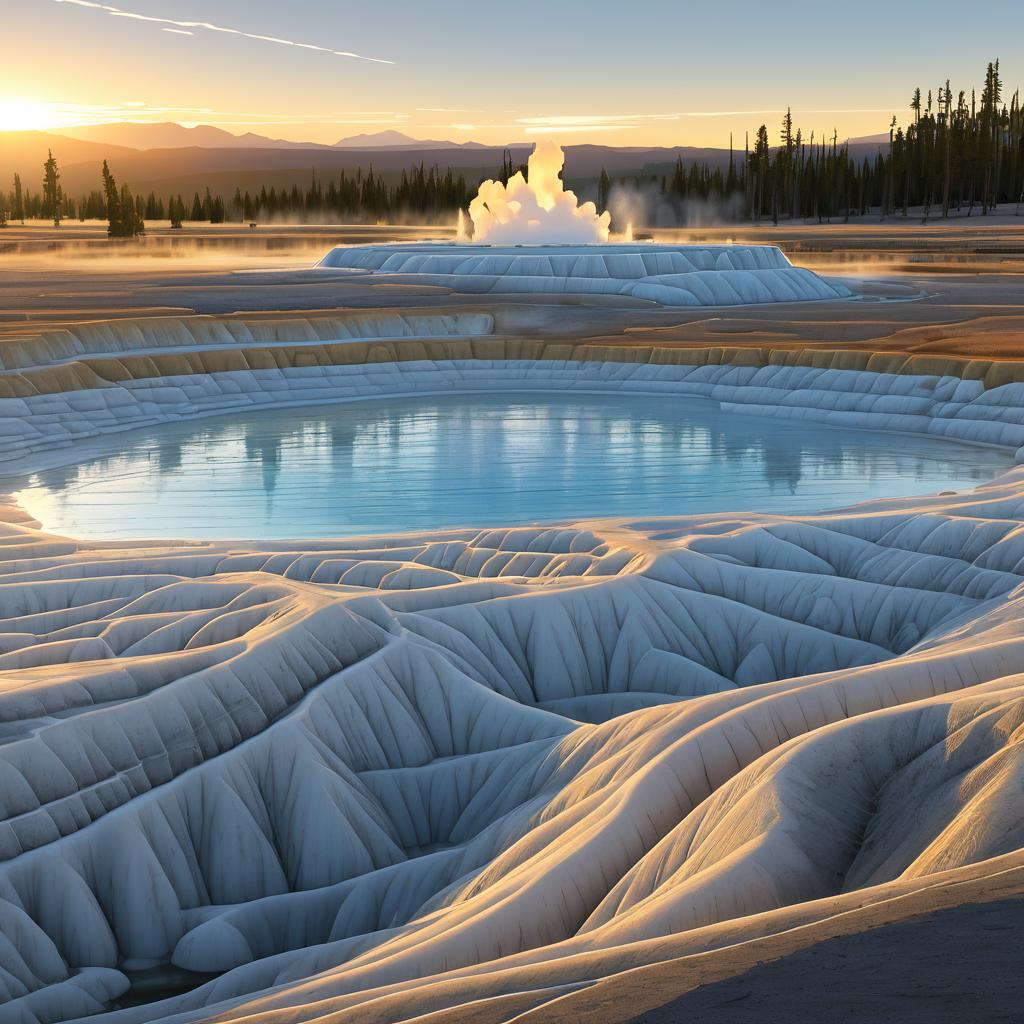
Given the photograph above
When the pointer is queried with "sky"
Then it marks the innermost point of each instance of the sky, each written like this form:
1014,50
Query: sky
629,72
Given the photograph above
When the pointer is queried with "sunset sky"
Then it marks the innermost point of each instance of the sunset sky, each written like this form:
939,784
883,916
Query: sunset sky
630,72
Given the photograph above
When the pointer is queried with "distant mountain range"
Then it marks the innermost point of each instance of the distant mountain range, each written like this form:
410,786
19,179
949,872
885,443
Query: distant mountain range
169,135
397,140
169,158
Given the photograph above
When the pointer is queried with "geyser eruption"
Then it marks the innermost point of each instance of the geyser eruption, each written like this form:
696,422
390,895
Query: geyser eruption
512,221
535,209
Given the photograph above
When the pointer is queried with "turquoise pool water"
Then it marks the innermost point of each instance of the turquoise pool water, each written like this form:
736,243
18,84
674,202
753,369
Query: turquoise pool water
479,460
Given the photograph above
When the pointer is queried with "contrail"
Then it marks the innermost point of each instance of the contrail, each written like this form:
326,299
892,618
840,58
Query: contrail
117,12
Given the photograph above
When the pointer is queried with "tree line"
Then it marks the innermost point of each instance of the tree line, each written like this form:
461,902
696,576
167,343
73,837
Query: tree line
964,156
955,155
427,194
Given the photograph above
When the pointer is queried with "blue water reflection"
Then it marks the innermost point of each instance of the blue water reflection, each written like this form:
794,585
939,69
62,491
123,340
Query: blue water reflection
480,460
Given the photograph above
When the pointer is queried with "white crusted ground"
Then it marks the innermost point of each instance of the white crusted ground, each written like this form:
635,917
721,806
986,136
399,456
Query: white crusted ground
501,761
683,275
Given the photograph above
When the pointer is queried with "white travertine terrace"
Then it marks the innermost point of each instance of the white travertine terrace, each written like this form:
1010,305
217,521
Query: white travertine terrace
369,780
670,275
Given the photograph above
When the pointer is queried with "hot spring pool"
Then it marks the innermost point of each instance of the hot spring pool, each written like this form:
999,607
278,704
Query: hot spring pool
478,460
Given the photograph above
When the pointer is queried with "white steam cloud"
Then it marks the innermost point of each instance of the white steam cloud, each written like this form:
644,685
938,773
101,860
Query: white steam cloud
536,209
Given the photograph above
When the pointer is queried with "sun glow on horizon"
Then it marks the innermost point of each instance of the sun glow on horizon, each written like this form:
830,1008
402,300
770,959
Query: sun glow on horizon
20,114
26,114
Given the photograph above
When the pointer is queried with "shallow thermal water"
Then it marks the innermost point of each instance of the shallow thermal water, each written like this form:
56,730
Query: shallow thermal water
479,460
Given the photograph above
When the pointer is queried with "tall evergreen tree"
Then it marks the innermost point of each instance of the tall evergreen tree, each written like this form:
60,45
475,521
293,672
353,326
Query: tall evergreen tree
132,223
53,196
123,217
759,167
112,201
18,204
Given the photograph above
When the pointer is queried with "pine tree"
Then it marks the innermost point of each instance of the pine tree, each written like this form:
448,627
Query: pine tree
132,223
786,171
53,196
915,105
113,203
123,217
759,166
18,206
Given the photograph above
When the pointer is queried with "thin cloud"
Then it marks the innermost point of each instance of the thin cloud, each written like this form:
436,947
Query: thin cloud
463,126
291,122
117,12
551,124
552,129
622,122
178,31
592,120
782,110
562,124
329,116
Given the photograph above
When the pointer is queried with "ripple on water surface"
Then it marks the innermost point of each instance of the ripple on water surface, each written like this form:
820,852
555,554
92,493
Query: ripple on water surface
480,460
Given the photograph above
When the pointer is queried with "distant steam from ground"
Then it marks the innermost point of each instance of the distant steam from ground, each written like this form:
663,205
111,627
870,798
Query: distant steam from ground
536,209
648,207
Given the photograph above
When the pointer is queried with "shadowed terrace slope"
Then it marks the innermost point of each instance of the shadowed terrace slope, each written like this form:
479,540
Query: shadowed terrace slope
465,775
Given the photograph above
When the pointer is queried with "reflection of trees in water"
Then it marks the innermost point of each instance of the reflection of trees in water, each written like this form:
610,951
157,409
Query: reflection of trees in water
783,465
264,450
506,455
791,453
169,458
60,477
342,434
733,447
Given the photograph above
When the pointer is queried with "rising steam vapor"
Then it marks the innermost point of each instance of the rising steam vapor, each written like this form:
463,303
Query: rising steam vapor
535,209
118,12
647,207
